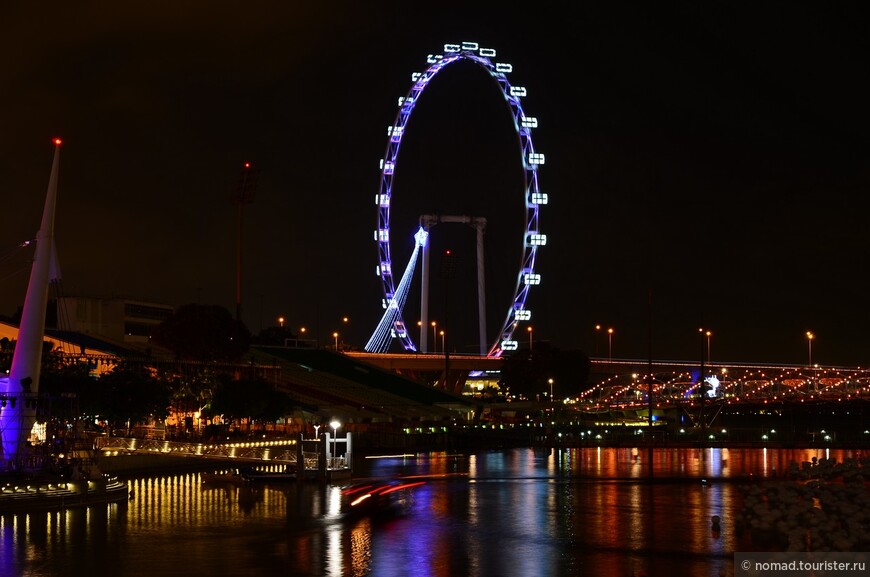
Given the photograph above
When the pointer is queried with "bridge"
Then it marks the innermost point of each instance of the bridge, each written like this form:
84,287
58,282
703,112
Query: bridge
624,382
625,385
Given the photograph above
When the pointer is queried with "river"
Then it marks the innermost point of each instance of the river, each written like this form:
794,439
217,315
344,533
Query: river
509,513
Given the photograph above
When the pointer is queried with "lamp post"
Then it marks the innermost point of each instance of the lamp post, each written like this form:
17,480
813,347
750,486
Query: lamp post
530,337
551,389
422,335
434,336
595,338
443,348
335,425
609,345
335,336
709,334
810,337
701,382
345,323
281,322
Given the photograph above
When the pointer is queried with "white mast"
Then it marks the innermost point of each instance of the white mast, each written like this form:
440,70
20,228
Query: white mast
18,391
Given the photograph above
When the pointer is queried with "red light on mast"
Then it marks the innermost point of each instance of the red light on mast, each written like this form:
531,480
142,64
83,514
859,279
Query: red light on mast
57,141
247,165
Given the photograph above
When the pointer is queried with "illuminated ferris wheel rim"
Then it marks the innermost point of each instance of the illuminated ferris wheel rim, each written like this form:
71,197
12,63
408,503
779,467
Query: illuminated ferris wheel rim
533,198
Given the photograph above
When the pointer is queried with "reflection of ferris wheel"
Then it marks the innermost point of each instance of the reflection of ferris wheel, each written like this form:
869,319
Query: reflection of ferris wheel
392,325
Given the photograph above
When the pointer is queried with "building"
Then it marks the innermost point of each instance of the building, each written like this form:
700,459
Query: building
118,320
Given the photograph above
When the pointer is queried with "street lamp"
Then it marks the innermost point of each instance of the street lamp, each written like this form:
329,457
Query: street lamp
810,337
335,425
709,334
443,348
609,345
281,322
530,337
345,322
335,336
434,337
595,338
551,389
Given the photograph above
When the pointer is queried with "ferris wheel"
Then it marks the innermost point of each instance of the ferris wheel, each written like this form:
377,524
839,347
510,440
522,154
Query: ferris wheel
392,325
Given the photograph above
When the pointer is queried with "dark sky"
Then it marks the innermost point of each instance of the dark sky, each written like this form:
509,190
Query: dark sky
706,165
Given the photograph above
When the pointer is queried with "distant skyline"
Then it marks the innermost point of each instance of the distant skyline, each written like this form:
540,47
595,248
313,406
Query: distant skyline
707,166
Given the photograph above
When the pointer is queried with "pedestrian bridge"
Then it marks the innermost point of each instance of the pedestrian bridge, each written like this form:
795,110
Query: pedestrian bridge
317,453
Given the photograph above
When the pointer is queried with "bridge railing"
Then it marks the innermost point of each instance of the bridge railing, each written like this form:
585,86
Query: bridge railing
283,451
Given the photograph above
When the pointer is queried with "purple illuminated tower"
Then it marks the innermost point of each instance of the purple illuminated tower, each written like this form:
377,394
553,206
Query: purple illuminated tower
18,390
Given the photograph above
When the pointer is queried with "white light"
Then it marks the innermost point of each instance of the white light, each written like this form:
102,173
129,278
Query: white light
522,315
452,48
406,103
540,198
421,236
388,166
395,132
415,76
509,345
470,46
433,58
714,384
382,200
421,81
487,52
536,158
383,235
518,91
386,269
503,67
532,278
529,122
537,239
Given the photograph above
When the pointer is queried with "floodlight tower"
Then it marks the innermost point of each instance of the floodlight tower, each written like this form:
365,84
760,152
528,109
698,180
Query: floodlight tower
243,195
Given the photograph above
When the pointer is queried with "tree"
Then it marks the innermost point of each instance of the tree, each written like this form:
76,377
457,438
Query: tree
66,388
251,398
203,333
131,394
275,336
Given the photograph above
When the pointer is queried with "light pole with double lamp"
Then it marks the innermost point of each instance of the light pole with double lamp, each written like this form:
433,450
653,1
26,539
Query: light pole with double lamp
335,424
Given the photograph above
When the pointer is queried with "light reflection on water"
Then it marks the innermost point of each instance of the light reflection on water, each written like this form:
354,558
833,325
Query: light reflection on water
505,513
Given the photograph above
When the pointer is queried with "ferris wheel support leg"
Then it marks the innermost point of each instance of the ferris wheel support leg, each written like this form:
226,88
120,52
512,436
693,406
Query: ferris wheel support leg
481,288
424,302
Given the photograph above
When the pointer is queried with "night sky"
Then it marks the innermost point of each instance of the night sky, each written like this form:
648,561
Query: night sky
706,166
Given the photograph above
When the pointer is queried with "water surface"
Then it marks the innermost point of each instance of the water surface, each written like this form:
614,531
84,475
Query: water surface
512,513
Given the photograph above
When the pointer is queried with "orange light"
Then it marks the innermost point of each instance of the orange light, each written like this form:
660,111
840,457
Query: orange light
57,141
